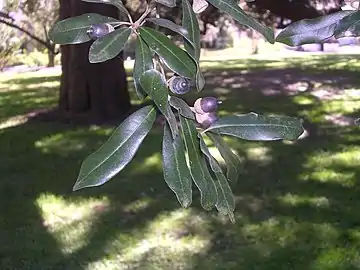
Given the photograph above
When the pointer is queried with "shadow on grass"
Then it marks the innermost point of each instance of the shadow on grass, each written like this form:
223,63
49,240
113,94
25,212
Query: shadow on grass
44,162
296,203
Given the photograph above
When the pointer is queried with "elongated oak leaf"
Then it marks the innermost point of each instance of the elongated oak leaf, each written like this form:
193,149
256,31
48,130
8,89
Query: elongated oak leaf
118,151
117,3
176,172
348,25
254,127
74,30
109,46
191,24
197,164
153,83
143,62
182,107
175,58
232,161
310,30
171,26
225,202
232,8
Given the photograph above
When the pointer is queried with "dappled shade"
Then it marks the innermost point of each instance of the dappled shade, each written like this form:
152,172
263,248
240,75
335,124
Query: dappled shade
296,203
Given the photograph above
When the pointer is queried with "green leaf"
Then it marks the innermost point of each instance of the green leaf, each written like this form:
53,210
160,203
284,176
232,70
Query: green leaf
172,26
153,82
310,30
109,46
232,161
171,119
182,107
117,3
176,172
232,8
256,127
348,25
191,24
175,58
168,3
197,164
74,30
225,203
118,151
143,62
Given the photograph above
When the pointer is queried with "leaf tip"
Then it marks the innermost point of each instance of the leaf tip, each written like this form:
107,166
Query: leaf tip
232,217
77,187
186,203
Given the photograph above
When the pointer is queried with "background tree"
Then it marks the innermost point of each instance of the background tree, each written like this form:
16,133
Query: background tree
94,91
33,19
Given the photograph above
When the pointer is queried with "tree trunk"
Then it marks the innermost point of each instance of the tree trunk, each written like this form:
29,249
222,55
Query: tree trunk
51,58
98,91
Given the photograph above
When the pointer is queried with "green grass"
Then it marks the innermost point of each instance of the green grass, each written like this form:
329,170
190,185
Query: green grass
297,203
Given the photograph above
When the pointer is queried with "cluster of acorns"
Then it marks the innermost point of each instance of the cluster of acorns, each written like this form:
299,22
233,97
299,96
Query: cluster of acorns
205,111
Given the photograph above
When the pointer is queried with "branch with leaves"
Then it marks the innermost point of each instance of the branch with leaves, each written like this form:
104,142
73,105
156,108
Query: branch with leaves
163,72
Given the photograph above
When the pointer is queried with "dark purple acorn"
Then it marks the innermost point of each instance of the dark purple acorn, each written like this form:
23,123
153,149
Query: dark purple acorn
179,85
99,30
206,105
206,120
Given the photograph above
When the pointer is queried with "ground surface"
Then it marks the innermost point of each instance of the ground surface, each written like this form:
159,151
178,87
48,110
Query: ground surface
297,204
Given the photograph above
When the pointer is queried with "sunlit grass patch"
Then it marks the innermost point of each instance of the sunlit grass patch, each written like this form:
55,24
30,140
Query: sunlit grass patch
70,222
293,199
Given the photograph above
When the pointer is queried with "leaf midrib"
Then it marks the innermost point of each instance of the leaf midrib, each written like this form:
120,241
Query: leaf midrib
248,125
179,174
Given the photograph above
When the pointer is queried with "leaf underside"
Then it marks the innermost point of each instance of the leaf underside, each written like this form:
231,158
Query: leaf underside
310,30
256,127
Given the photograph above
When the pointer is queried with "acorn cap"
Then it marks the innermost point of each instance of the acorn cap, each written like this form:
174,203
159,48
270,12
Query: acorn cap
179,85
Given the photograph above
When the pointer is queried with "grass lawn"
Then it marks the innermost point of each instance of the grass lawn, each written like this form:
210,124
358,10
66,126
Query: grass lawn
297,203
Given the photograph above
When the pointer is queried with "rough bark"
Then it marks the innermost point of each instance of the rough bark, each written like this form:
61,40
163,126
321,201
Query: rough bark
97,91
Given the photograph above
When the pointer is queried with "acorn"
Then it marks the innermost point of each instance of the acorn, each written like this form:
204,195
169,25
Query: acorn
206,105
99,30
179,85
206,120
